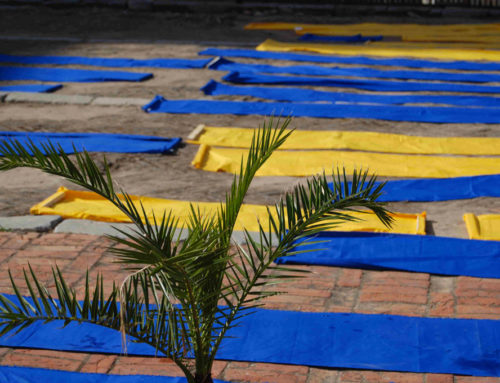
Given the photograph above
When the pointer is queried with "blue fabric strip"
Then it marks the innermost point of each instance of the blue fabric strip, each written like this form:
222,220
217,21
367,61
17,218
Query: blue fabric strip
96,142
107,62
68,75
356,60
441,189
388,112
9,374
418,253
215,88
346,39
374,85
314,70
374,342
38,88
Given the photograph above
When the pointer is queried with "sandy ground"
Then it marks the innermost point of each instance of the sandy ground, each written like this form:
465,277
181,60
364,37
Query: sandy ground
116,33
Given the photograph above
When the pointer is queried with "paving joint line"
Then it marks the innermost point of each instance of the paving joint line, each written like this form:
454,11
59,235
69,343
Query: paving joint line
357,293
454,295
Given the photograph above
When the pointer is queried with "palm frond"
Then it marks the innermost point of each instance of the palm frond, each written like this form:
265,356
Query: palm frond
185,293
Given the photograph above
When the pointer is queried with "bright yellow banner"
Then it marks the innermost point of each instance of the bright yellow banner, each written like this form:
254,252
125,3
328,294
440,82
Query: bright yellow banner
437,52
485,226
88,205
365,141
306,163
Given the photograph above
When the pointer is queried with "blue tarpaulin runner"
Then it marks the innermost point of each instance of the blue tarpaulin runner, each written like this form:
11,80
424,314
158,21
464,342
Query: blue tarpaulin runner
37,88
107,62
441,189
315,70
68,75
361,341
418,253
388,112
96,142
374,85
9,374
355,60
359,38
215,88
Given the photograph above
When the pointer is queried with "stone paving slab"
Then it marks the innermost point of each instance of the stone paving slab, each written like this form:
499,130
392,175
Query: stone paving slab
40,223
48,98
83,226
239,237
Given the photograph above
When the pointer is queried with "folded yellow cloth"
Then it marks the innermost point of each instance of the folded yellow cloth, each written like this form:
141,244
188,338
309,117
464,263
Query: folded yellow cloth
365,141
306,163
485,226
437,52
88,205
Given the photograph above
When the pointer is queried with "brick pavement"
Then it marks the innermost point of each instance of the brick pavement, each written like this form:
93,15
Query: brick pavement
326,289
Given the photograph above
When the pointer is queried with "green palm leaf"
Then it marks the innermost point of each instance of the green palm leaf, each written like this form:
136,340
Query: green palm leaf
184,293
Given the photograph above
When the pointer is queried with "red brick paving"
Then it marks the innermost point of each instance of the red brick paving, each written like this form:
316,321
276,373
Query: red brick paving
326,289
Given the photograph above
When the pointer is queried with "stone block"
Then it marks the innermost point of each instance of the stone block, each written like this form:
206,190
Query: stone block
83,226
40,223
48,98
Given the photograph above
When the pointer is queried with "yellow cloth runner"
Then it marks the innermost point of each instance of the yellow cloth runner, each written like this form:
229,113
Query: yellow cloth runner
485,226
485,33
455,37
88,205
377,28
366,141
306,163
435,45
437,52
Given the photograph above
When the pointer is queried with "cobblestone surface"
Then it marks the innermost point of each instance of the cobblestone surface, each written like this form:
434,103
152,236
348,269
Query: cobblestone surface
325,289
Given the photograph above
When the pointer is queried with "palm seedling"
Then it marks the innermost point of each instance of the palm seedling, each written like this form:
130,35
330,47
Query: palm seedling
181,297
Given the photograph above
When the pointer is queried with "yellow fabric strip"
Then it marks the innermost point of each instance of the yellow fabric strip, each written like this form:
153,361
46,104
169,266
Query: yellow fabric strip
376,28
456,37
485,226
435,45
469,54
88,205
365,141
305,163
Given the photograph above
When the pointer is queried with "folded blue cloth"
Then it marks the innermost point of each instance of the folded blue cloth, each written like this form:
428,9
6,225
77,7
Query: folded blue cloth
418,253
441,189
107,62
375,342
68,75
37,88
355,60
388,112
315,70
215,88
41,375
345,39
95,142
374,85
